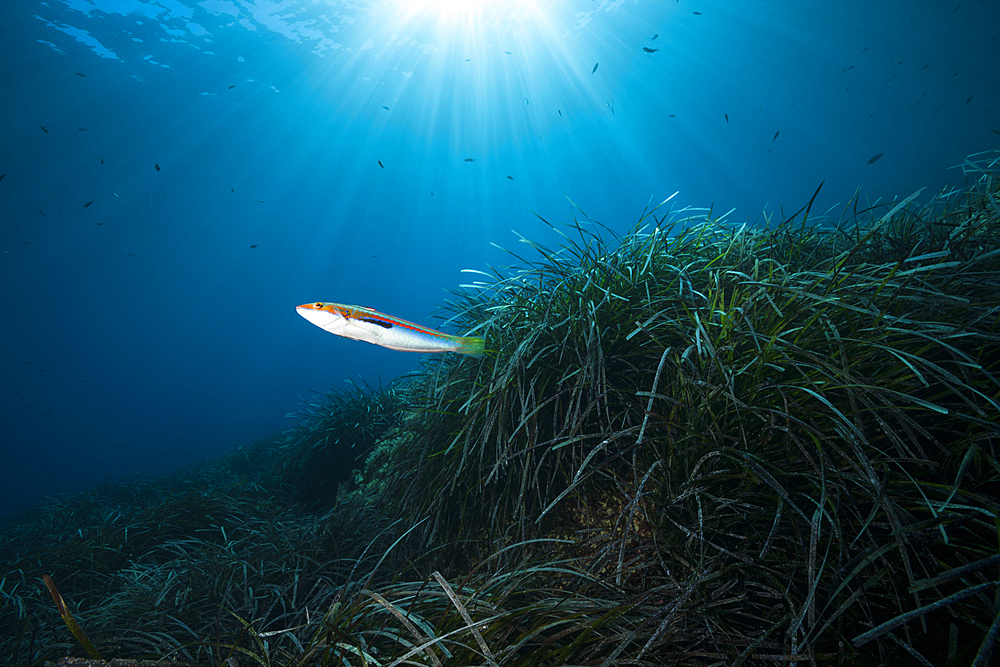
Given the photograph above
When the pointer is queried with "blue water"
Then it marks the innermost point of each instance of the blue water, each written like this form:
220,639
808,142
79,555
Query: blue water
156,327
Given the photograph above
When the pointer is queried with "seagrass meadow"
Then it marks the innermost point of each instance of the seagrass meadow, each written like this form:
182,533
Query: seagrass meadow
699,443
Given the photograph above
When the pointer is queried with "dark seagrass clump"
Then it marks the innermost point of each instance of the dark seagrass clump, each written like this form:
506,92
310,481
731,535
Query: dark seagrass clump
698,443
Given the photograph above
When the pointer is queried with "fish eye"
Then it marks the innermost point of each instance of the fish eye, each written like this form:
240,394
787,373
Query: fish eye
319,304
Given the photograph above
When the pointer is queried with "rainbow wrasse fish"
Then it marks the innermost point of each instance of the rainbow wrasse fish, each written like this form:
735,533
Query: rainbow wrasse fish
360,323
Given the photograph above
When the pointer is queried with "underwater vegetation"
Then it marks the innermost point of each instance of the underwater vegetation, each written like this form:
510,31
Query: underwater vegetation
337,431
697,443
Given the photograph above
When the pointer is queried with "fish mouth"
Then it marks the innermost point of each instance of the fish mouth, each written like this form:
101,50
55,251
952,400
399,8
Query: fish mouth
312,314
327,319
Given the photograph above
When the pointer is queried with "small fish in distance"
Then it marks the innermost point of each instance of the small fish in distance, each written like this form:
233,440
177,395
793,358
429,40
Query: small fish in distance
231,87
81,74
43,129
560,112
654,37
371,326
775,135
595,69
511,177
385,107
156,166
2,175
380,164
874,158
727,118
469,159
649,50
88,203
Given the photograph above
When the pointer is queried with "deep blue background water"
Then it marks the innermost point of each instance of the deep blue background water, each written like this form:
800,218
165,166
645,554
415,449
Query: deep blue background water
156,327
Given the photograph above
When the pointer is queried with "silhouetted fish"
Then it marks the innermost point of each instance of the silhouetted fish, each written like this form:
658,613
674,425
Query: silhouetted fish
511,177
649,50
82,129
727,118
254,245
88,203
380,164
560,112
775,135
102,159
595,69
696,13
2,175
42,212
874,158
385,107
469,159
156,166
654,36
43,129
81,74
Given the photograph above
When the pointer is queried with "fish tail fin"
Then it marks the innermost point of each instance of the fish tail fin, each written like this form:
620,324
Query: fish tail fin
472,346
